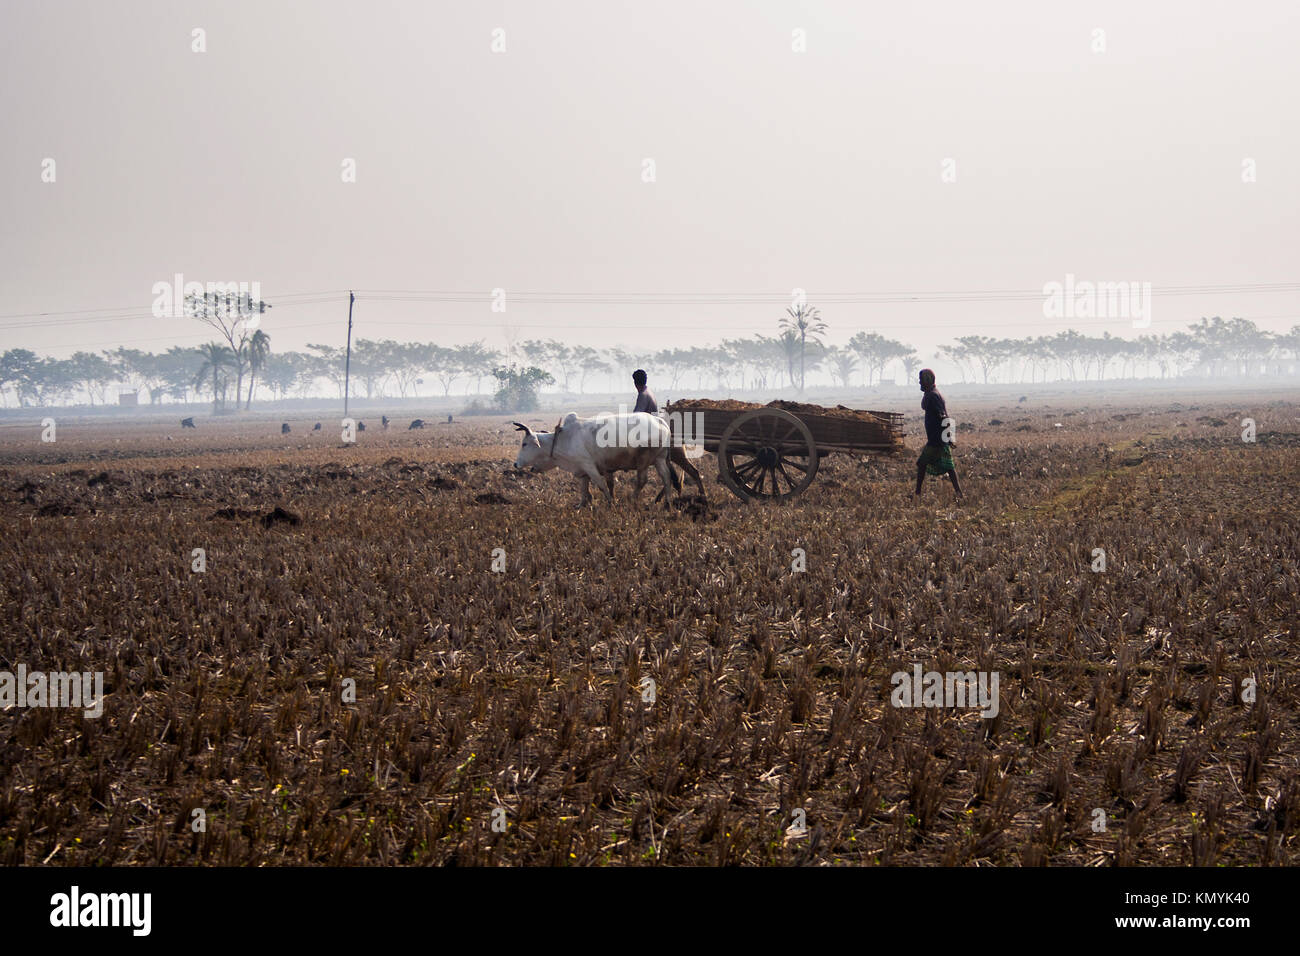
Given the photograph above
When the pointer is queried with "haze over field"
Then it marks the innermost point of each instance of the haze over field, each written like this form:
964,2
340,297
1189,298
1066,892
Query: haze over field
879,153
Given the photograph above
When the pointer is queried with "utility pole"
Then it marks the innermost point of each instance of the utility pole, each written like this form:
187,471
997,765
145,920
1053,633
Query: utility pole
347,368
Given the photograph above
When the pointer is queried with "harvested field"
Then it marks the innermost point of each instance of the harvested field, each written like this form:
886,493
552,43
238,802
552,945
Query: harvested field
349,681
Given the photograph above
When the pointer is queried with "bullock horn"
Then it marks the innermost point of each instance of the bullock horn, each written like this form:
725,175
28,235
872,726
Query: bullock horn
555,437
521,427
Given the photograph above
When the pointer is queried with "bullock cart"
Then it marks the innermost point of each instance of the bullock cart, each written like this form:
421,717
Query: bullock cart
771,451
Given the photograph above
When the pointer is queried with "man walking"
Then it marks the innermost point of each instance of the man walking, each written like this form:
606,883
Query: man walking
936,456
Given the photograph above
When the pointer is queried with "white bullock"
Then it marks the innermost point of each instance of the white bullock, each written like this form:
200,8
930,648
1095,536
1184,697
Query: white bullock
593,447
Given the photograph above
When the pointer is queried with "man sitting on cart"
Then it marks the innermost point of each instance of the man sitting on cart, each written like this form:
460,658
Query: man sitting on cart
645,400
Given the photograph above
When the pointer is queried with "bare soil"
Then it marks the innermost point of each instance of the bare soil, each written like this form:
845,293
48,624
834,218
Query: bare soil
360,686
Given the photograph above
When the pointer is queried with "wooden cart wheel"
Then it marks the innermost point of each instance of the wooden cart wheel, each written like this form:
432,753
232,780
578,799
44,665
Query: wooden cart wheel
767,453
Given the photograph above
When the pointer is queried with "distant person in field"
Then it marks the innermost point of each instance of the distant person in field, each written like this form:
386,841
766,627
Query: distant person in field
645,400
936,456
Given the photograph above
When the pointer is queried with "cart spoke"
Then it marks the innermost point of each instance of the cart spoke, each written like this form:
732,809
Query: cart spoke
784,474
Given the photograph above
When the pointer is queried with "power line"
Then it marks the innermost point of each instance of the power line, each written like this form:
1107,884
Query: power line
1284,286
659,298
136,308
136,314
652,298
766,298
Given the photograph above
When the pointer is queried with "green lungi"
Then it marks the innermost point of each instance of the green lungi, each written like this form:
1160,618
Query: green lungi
937,459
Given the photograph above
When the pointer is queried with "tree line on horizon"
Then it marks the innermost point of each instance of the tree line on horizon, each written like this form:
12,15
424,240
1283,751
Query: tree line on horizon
386,368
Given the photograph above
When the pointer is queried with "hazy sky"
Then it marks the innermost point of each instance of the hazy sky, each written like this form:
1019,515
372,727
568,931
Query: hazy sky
523,170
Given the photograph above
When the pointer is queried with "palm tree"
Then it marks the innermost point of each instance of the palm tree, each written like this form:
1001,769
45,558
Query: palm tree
259,347
216,357
806,323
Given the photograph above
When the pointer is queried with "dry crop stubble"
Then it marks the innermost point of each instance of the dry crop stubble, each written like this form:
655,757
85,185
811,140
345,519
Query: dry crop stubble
523,689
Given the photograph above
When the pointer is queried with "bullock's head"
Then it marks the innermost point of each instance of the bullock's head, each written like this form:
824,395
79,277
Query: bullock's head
535,452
